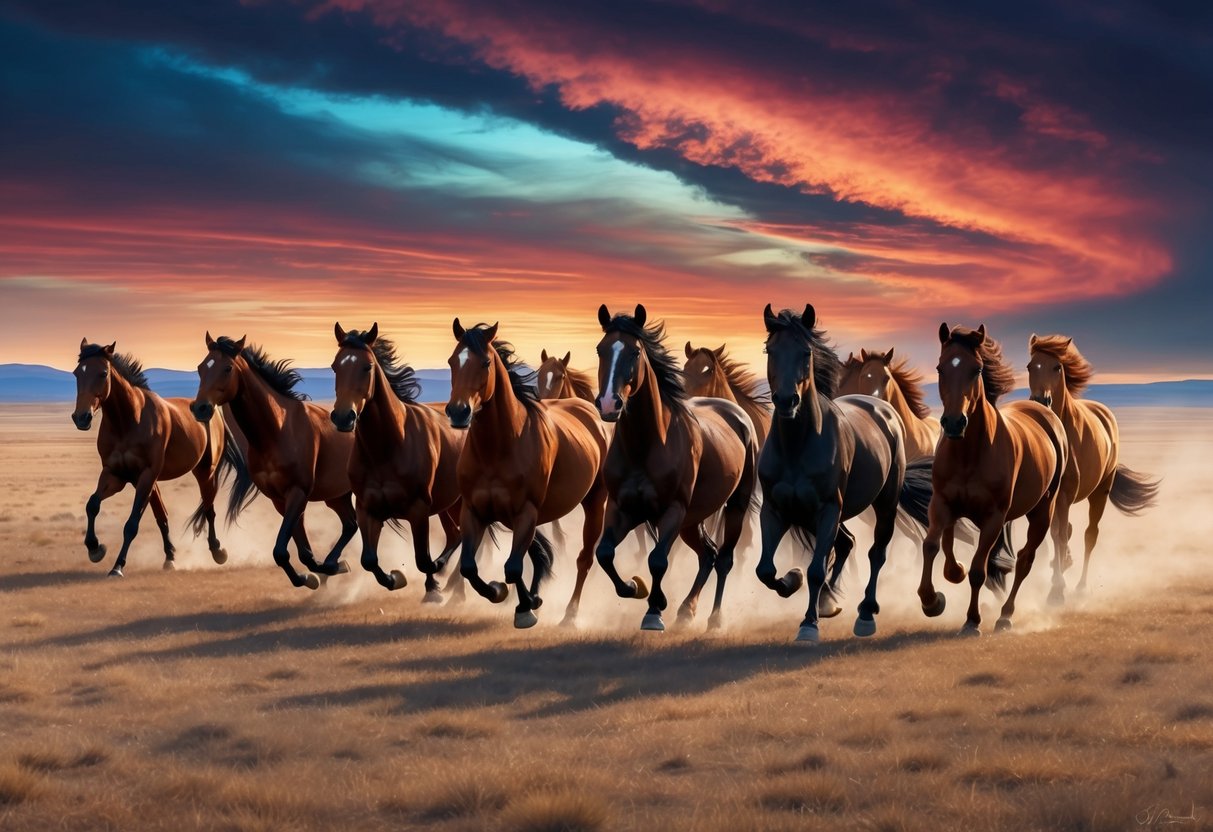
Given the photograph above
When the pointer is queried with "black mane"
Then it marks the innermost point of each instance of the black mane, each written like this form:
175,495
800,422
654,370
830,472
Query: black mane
522,378
827,366
664,363
126,364
277,374
400,376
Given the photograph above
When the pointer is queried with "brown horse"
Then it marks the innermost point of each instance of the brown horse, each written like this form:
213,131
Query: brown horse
876,374
295,454
144,439
1057,375
524,463
713,373
674,462
993,465
557,380
405,453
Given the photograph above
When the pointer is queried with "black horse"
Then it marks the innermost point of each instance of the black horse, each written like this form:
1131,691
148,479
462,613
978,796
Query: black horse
825,461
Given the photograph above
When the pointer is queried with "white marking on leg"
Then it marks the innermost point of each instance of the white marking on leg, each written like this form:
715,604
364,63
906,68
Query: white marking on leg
463,356
210,363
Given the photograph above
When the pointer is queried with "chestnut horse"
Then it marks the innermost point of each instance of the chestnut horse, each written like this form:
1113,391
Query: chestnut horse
525,463
827,460
1057,375
295,455
877,374
712,373
144,439
555,379
993,465
405,453
674,462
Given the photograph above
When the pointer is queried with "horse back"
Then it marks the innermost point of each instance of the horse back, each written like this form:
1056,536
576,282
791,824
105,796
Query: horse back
1040,444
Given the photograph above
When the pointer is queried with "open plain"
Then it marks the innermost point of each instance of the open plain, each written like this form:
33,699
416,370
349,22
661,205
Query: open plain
218,697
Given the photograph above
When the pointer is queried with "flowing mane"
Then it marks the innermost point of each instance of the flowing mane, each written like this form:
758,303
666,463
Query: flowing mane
277,374
582,383
1077,369
665,367
126,364
996,375
400,376
522,378
827,366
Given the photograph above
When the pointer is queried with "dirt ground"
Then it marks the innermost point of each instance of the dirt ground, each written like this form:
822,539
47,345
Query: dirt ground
222,698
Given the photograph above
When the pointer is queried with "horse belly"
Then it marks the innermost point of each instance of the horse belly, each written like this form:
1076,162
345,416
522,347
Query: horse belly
573,474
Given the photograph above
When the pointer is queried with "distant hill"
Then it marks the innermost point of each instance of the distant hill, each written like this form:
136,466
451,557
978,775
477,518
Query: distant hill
37,383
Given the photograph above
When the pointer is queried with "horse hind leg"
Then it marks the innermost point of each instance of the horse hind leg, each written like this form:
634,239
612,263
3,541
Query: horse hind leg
736,520
827,603
161,514
594,508
208,489
886,522
697,538
107,486
1097,502
1060,528
343,507
1039,521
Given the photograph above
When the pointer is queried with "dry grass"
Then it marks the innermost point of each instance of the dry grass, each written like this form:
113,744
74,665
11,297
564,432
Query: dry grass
221,698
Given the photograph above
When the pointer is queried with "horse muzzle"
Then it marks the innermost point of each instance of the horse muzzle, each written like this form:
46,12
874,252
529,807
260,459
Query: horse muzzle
786,407
459,414
344,421
83,421
203,411
953,426
609,407
1045,399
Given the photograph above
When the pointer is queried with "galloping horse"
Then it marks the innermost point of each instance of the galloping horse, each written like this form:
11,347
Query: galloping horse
144,439
876,374
674,462
524,463
712,373
993,465
1057,375
405,453
827,460
295,454
557,380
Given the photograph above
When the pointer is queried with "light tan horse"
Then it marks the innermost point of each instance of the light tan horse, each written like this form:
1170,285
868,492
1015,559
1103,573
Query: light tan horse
877,374
555,379
713,373
1057,375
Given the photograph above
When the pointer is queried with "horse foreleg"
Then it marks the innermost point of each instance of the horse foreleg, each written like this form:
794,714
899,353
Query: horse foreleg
659,561
594,508
143,491
736,518
886,522
940,521
524,535
291,510
472,530
1061,547
844,544
343,507
107,486
616,526
419,527
701,544
371,528
161,515
1038,527
1097,502
991,528
208,489
829,517
773,528
450,527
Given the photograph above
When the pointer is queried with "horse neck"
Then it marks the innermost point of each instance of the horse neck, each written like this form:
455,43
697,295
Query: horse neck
899,402
259,409
384,415
807,425
645,419
722,388
567,390
983,425
122,406
501,416
1065,405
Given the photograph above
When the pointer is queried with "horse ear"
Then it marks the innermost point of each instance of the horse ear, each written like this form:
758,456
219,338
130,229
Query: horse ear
864,355
604,315
543,356
850,358
490,334
210,342
371,334
568,356
83,343
768,316
981,330
1032,339
641,315
458,330
688,350
240,344
944,333
339,332
809,318
888,356
719,351
110,349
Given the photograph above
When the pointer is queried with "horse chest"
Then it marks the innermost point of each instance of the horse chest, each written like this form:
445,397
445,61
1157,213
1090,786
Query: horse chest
125,462
270,478
387,497
795,494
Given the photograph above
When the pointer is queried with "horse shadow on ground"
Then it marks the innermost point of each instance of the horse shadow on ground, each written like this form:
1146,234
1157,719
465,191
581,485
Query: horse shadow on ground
20,581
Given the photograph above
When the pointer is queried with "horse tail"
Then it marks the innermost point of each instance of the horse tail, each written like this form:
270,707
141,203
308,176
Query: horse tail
1133,492
242,491
916,489
542,556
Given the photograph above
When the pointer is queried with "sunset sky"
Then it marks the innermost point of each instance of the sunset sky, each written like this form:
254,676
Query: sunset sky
268,167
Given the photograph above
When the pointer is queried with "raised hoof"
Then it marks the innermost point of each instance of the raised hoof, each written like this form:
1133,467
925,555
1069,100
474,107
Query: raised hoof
498,592
311,581
865,627
1002,625
640,588
969,631
115,572
339,568
169,565
396,580
97,555
935,610
1057,598
792,582
826,608
653,622
809,634
219,556
954,576
525,620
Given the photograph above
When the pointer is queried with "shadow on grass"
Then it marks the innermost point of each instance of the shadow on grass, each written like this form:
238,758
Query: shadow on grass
17,582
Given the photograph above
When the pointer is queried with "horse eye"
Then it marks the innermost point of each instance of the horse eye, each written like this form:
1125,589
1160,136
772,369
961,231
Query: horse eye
486,363
105,373
227,370
1057,369
367,368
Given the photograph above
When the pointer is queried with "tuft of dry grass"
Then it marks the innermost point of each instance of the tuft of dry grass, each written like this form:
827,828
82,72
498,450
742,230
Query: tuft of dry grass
814,794
49,761
19,785
561,810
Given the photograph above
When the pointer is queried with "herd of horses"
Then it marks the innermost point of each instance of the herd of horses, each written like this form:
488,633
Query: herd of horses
684,452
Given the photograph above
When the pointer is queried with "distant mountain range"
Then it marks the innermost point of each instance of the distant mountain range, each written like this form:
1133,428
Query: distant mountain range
37,383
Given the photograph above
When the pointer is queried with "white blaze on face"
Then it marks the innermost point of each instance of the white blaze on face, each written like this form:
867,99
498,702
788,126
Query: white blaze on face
463,356
347,359
955,362
607,403
210,362
551,375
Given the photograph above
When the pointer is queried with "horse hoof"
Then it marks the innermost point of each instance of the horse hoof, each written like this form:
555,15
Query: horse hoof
954,576
865,627
715,622
97,555
525,620
1057,598
827,609
653,622
809,634
1002,625
311,581
685,618
569,622
640,588
498,592
219,556
396,580
969,630
169,566
1080,590
115,572
341,568
936,609
536,602
792,582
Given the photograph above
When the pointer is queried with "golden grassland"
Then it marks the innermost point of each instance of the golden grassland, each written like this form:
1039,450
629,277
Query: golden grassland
222,698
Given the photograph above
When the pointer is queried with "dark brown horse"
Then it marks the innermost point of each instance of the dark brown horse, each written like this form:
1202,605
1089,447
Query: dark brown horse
993,465
674,462
1057,375
713,373
405,453
555,379
295,454
144,439
827,460
876,373
524,463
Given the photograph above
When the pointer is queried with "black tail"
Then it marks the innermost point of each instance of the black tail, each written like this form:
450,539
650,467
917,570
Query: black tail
1001,562
231,464
542,556
915,496
242,491
1132,492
